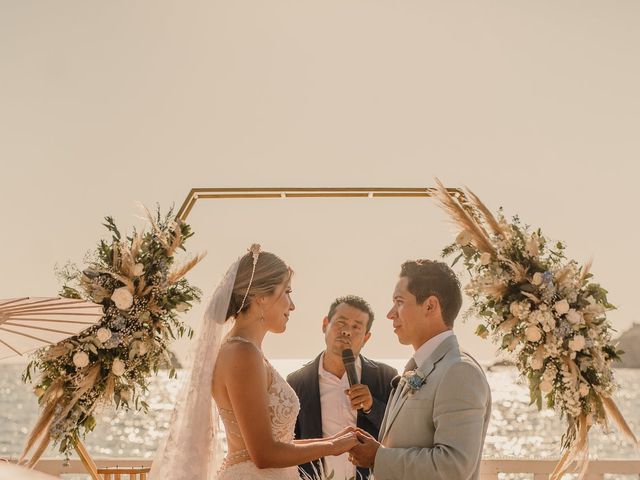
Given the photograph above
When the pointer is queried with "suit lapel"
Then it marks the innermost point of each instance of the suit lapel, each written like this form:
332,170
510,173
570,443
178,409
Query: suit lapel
426,368
312,408
390,411
369,371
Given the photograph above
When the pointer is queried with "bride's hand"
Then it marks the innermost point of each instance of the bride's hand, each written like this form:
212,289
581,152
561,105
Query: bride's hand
342,432
344,443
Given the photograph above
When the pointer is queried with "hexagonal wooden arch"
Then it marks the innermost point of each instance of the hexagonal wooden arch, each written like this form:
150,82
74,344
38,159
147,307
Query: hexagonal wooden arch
306,192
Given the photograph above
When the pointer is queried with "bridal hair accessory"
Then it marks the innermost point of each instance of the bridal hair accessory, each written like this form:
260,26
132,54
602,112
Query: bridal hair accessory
254,249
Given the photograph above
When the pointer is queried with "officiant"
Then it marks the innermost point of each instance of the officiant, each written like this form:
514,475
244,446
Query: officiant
327,403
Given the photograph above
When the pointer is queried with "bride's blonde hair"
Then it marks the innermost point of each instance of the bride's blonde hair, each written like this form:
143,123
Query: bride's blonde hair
270,271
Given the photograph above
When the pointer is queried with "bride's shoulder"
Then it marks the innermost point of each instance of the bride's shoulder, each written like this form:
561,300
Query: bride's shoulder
238,350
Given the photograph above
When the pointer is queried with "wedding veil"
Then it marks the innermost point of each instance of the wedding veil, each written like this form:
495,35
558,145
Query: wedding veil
193,448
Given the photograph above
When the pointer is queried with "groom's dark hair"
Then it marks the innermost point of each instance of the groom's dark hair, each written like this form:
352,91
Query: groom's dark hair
353,301
430,278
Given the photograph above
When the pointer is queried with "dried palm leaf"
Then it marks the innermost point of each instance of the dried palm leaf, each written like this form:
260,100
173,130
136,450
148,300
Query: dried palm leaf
495,290
461,217
154,225
518,270
44,443
177,240
56,351
109,389
180,272
486,214
530,296
141,286
585,270
136,244
90,375
614,414
40,428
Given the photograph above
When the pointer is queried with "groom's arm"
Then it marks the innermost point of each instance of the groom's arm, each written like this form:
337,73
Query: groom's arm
459,412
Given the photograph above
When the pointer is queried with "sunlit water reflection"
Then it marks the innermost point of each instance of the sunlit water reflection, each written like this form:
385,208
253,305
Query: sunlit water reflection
517,429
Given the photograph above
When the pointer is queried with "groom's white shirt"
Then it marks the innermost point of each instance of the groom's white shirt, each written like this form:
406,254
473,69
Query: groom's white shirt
427,348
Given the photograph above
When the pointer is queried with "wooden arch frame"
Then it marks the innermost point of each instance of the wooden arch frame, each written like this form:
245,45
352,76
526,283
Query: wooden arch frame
306,192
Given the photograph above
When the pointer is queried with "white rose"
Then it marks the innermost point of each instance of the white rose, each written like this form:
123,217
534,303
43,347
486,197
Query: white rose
137,270
485,258
122,298
574,316
546,386
562,307
595,309
80,359
117,367
584,390
464,238
182,307
536,363
533,333
103,334
577,343
507,325
519,309
537,278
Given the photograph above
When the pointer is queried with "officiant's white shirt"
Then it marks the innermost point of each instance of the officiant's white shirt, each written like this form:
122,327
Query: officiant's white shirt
337,414
428,347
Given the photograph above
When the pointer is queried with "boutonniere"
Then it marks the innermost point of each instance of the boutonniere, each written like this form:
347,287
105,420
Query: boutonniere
414,379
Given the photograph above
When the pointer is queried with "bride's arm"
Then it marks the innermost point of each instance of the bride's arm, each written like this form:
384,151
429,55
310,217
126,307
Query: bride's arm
245,378
332,437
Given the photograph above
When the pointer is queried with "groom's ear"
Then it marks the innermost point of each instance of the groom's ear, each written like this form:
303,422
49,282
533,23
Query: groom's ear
325,324
431,304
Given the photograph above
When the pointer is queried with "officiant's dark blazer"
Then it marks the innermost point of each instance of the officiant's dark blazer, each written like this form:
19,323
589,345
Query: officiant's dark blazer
377,376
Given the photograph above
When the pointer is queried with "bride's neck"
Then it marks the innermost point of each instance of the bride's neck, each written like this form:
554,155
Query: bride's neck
250,329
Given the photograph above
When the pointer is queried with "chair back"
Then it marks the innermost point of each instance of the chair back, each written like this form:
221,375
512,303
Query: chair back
124,473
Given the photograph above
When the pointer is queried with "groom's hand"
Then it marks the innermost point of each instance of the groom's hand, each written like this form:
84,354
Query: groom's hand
360,396
364,454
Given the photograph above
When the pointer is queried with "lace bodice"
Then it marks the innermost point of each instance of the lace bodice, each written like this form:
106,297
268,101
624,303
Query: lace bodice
283,412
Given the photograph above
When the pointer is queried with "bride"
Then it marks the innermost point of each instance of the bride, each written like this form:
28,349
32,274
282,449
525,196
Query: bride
256,405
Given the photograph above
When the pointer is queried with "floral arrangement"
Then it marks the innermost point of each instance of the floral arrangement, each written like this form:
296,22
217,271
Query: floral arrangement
544,309
142,294
414,379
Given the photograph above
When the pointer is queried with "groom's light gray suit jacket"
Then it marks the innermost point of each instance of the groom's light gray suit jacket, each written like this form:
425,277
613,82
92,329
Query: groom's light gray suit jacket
438,431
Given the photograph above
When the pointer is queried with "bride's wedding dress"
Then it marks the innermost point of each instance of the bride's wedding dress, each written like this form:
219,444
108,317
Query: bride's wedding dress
283,411
192,449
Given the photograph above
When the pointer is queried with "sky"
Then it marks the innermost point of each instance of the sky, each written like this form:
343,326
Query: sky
107,105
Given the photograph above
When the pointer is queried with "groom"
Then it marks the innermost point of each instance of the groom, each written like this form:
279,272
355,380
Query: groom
436,419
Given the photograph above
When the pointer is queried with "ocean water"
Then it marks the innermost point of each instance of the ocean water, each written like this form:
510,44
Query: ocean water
517,429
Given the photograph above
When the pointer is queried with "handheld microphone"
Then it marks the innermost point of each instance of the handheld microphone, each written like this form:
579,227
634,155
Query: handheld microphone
349,361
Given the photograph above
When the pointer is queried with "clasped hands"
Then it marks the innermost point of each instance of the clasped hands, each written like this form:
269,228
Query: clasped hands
362,447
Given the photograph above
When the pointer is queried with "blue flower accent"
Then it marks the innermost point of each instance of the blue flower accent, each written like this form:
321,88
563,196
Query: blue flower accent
414,379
